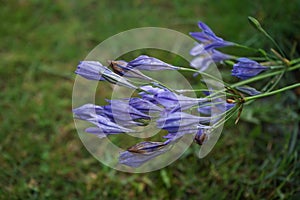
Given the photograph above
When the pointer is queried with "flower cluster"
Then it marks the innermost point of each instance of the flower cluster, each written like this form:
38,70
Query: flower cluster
206,54
171,111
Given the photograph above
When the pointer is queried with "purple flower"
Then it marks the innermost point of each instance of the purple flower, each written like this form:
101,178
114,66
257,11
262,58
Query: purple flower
176,102
93,70
149,92
175,135
142,152
87,111
104,125
119,110
96,115
215,108
144,62
246,68
144,105
205,58
92,113
121,68
168,99
248,90
177,121
208,38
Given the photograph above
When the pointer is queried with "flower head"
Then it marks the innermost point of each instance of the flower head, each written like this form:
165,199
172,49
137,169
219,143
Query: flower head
144,62
144,105
208,38
93,70
142,152
121,68
168,99
104,125
120,110
246,68
171,100
248,90
205,58
217,107
177,121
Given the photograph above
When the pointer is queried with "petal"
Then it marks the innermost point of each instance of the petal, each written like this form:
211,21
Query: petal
248,90
142,152
144,62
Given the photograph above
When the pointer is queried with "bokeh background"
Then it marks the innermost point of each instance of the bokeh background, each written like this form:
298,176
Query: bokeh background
42,156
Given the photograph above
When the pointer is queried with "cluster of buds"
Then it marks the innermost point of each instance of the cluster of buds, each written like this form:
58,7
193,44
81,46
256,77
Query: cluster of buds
172,111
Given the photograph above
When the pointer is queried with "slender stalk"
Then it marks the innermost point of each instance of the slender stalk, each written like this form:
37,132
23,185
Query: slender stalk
295,61
273,92
202,73
246,47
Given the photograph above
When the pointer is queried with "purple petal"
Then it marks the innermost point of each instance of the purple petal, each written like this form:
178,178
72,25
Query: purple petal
248,90
197,50
209,38
121,68
142,152
169,100
180,120
246,68
144,105
144,62
87,111
91,70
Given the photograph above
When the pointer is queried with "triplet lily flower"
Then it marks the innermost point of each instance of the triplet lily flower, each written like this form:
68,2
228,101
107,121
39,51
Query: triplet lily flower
208,38
87,111
141,105
144,105
166,107
93,70
142,152
180,120
121,68
168,99
205,58
248,90
246,68
144,62
216,107
120,110
105,126
149,92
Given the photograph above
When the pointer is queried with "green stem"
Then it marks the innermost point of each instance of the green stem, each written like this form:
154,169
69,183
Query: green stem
272,93
246,47
257,25
275,43
203,74
295,61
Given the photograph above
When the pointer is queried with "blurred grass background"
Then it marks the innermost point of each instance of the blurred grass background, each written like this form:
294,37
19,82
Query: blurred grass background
42,156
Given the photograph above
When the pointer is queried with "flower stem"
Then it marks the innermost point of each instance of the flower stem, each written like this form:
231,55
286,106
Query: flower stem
273,92
203,74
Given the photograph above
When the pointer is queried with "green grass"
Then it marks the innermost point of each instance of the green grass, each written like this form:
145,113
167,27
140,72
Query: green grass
42,156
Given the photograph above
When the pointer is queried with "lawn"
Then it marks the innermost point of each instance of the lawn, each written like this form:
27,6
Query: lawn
42,156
